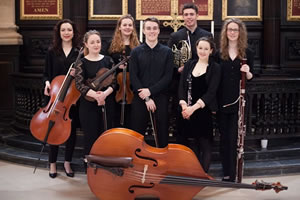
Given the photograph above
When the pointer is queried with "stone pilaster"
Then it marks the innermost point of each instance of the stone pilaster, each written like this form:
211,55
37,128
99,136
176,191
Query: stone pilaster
8,28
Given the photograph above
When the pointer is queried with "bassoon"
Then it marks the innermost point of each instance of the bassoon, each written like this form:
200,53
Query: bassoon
241,127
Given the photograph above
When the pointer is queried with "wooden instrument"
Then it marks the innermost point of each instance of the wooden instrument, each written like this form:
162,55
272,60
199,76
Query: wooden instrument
103,78
124,95
52,124
122,166
241,127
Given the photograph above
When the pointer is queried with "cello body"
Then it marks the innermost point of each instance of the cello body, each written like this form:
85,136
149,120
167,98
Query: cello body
175,159
52,123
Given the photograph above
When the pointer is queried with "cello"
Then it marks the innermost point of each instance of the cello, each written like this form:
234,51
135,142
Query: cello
122,166
51,124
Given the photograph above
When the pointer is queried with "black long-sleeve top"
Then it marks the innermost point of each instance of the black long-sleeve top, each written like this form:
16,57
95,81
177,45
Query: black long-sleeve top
88,69
229,89
151,68
183,33
213,77
57,63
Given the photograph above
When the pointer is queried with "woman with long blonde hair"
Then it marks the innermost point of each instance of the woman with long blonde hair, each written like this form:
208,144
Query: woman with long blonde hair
124,40
233,48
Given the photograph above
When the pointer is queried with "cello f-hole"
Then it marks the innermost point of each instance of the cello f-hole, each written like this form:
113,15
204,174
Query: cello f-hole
138,150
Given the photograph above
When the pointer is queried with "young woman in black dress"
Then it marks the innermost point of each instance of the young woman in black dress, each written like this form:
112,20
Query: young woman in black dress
59,58
124,40
197,97
91,113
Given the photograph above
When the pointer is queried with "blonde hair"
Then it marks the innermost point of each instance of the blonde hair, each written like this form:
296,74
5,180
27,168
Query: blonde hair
117,44
86,37
242,42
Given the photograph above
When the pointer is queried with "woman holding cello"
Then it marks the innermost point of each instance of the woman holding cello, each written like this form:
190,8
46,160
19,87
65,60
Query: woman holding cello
124,40
93,103
59,58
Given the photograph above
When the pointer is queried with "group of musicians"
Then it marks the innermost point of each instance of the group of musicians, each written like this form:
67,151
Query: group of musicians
200,87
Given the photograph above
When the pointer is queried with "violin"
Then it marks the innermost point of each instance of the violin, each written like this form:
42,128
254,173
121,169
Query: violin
104,77
124,93
122,166
52,124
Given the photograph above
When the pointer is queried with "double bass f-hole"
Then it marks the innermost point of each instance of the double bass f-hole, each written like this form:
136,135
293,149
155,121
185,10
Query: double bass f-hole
138,150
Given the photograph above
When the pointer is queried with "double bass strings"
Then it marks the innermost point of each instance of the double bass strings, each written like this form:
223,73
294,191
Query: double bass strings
167,179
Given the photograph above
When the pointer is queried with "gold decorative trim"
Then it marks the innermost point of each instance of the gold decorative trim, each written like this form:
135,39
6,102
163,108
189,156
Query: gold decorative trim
290,16
174,10
57,16
93,16
257,17
210,12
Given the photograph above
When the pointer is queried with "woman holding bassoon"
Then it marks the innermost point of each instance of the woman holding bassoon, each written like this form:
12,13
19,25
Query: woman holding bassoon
233,49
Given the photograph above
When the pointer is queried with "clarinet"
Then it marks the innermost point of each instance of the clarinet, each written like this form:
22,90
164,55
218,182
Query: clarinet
189,92
241,127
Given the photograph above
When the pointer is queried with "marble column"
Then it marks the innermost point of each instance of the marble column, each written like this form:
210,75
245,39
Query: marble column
10,41
8,28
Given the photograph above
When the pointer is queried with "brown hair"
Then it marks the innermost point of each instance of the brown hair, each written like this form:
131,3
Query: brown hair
117,44
242,40
86,37
57,41
190,5
209,40
151,19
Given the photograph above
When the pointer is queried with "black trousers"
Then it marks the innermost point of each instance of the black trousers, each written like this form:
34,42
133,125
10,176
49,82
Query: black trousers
70,143
228,127
92,124
140,117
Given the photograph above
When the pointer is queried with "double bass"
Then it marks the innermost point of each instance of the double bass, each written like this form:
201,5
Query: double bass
122,166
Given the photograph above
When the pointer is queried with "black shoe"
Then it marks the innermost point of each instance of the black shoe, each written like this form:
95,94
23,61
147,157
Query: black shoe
71,174
52,175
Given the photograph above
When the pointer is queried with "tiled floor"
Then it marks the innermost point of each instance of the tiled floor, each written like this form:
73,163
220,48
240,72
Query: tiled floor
17,182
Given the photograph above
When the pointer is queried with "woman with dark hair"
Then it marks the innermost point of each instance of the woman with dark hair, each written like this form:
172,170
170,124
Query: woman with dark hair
59,58
197,97
233,48
124,40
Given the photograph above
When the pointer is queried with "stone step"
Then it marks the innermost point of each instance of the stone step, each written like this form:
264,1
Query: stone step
251,168
252,152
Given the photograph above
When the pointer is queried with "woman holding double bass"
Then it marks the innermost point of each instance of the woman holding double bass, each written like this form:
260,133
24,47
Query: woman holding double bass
59,58
124,40
93,103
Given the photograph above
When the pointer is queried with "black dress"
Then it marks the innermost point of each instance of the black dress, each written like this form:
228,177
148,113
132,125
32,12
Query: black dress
200,122
90,114
199,126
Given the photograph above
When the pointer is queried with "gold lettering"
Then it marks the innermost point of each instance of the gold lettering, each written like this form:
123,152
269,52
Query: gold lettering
41,10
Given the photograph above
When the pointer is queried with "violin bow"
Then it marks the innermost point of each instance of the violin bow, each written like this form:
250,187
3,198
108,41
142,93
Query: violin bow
122,119
104,117
154,129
